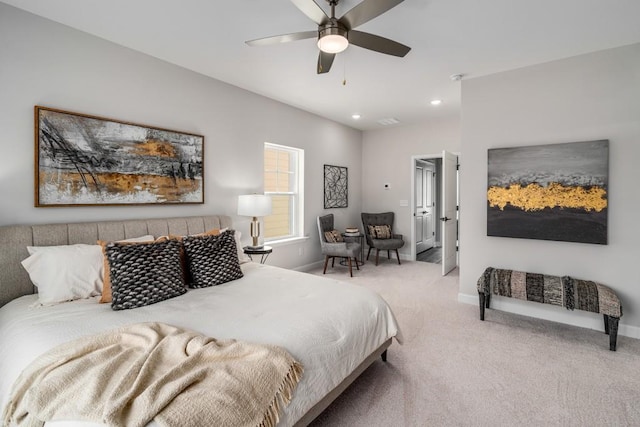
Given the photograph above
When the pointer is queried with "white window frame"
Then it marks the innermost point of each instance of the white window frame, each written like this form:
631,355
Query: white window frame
297,216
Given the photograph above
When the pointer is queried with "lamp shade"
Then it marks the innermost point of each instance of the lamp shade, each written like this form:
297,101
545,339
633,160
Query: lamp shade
254,205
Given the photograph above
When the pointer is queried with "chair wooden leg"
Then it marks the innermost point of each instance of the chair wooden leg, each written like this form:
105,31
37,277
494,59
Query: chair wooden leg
613,332
377,255
333,260
326,261
350,270
369,253
398,256
356,260
388,254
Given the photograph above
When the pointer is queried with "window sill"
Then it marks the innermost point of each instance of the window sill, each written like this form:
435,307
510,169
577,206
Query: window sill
285,242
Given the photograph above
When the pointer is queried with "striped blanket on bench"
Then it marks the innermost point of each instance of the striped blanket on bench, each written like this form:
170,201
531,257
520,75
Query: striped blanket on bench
555,290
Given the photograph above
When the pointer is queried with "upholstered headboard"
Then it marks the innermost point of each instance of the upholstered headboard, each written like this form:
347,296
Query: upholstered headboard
14,239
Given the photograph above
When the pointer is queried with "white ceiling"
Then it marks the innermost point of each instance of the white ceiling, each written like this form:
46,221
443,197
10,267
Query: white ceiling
472,37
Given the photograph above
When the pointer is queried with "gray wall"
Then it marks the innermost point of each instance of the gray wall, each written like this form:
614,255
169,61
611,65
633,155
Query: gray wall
45,63
387,159
588,97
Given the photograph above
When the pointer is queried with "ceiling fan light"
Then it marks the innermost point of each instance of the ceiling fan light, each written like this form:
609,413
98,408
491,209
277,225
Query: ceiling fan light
333,43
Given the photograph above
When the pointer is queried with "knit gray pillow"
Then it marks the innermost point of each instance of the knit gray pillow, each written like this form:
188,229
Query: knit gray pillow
212,260
145,273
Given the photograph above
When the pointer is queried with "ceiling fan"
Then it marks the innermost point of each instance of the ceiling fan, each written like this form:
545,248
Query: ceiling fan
335,34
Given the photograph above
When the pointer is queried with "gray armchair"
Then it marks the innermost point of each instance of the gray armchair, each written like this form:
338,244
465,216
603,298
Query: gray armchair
331,250
395,241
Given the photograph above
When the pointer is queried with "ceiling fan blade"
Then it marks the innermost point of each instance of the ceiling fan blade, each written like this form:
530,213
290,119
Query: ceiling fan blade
377,43
312,10
282,38
366,11
325,60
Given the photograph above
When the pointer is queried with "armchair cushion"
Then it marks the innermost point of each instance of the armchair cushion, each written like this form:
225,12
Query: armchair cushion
387,244
380,231
333,236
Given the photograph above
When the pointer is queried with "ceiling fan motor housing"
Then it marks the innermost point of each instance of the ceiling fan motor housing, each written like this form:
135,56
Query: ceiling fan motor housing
333,27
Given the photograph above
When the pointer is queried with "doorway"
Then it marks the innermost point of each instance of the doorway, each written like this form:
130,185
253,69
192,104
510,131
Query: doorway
434,209
426,207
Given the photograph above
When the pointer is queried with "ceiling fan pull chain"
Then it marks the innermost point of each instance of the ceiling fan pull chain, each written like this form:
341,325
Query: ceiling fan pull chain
344,70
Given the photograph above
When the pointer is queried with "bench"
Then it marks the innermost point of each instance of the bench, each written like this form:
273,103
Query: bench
555,290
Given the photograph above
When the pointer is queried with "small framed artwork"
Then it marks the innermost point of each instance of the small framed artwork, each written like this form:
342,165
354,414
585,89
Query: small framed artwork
83,160
336,184
549,192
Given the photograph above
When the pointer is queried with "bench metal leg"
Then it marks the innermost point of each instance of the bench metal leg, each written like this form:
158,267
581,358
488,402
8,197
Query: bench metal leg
613,332
481,298
384,356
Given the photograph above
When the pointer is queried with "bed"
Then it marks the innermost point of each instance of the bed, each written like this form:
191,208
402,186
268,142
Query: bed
334,329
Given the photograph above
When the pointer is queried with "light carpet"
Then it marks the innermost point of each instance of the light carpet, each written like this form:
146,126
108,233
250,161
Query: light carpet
510,370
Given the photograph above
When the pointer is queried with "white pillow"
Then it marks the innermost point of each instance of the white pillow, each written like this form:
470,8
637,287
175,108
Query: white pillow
68,272
65,273
242,257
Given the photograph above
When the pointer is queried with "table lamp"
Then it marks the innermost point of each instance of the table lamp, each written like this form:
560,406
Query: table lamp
254,205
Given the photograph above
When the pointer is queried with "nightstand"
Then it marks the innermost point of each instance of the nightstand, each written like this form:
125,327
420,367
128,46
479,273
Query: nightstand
264,252
360,239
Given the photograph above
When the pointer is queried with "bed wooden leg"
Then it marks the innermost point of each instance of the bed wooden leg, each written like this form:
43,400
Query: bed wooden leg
481,298
326,261
384,356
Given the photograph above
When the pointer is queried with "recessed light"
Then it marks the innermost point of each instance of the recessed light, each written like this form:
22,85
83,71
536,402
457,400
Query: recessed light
355,116
436,102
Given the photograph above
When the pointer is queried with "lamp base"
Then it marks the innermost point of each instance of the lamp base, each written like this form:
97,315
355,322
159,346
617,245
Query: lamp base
255,233
255,248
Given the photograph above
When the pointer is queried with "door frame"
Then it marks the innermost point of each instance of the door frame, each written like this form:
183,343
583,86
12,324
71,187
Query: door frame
412,199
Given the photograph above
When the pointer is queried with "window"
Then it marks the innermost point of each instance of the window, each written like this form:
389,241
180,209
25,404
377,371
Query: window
284,182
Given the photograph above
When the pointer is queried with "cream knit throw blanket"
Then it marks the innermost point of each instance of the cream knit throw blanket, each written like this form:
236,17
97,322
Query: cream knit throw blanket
132,375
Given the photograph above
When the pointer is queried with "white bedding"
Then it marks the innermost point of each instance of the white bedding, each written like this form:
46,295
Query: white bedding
328,326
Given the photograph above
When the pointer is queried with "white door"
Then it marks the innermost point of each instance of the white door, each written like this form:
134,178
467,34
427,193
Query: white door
424,215
448,219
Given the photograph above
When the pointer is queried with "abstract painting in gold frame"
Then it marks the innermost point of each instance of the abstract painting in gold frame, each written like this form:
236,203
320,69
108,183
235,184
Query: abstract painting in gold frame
83,160
549,192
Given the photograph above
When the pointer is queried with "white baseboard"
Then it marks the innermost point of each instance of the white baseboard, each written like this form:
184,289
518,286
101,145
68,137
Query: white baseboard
309,267
549,312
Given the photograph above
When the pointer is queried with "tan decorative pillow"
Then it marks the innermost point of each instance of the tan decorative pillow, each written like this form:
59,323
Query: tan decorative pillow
333,236
380,231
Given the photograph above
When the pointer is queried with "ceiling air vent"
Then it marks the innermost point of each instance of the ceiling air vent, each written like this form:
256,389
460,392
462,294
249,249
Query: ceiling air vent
388,121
